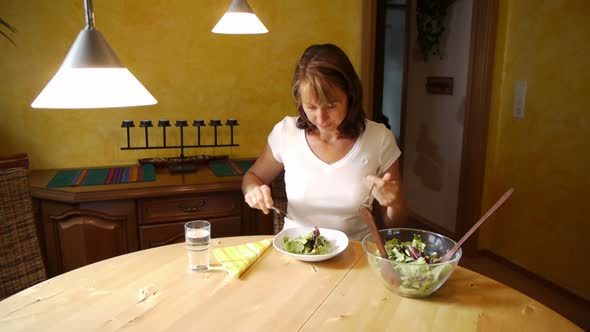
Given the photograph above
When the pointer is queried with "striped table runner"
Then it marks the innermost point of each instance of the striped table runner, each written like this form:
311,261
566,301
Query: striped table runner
100,176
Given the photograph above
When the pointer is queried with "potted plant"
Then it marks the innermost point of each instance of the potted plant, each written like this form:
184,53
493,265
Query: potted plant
5,25
430,21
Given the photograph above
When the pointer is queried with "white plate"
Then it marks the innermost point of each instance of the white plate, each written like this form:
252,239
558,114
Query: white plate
338,239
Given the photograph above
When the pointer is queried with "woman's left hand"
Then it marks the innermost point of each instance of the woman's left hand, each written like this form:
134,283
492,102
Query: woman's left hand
386,190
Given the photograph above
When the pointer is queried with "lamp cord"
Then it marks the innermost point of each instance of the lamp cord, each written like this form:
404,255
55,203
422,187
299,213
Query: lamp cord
89,14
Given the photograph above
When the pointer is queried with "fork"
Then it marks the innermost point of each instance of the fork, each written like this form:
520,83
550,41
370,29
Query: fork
366,202
281,212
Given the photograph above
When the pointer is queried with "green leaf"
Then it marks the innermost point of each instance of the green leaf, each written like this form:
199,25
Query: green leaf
305,245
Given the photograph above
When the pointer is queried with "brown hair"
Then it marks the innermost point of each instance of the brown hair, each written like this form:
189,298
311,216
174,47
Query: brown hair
320,68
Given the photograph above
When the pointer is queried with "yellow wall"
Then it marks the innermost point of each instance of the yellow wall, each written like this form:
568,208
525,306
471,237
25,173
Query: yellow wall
170,49
545,156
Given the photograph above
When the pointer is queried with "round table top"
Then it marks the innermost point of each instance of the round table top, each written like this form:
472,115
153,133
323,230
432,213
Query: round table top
277,293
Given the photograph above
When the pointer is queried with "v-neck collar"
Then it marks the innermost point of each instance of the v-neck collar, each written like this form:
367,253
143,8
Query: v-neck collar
309,152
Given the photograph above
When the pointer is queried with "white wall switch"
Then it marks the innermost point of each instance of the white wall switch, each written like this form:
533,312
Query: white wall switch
519,98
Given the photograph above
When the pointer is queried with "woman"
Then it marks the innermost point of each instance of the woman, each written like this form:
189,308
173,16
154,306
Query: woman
332,156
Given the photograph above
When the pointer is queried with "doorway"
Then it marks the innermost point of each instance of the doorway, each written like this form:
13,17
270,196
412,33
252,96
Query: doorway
390,45
475,92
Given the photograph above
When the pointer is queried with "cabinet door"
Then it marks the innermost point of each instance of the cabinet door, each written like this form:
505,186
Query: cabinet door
81,234
160,235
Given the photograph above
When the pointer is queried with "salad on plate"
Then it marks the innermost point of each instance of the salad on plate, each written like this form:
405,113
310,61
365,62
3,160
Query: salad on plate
311,244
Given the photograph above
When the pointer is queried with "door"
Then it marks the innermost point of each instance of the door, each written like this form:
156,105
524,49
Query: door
443,137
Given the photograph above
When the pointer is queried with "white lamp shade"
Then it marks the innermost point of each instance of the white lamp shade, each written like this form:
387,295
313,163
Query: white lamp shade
239,23
93,88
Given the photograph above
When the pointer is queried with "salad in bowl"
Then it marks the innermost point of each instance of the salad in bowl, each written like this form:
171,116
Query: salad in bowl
413,266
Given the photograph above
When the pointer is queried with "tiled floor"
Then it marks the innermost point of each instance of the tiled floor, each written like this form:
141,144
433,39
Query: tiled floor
568,305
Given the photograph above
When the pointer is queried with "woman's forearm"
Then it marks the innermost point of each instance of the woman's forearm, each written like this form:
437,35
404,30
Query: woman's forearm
396,215
264,170
250,181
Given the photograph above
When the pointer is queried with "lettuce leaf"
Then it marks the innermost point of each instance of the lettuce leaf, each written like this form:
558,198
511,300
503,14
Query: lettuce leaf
310,244
417,277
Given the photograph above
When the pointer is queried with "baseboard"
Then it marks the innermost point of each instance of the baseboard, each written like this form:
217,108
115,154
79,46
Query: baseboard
533,276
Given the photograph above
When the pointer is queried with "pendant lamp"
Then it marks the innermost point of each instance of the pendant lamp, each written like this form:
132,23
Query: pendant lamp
91,76
239,19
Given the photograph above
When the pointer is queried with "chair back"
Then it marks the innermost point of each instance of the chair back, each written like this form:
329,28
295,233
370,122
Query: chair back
15,160
21,260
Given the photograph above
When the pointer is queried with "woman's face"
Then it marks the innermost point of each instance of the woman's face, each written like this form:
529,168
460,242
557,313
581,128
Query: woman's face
326,117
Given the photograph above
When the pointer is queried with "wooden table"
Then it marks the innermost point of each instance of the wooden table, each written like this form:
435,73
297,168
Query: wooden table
277,293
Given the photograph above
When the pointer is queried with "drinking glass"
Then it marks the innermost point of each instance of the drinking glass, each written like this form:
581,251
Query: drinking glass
197,234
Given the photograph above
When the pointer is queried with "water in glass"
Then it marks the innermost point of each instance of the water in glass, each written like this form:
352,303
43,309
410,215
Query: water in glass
198,239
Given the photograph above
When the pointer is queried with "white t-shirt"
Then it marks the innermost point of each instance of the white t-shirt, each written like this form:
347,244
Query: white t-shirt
330,195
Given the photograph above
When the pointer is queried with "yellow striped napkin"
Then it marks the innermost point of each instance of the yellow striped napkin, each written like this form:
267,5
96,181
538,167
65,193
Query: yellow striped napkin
237,259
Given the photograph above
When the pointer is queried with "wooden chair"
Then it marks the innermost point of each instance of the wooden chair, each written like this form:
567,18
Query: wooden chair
21,261
279,197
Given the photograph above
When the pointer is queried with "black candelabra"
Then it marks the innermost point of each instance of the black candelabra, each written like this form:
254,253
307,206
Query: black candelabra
182,163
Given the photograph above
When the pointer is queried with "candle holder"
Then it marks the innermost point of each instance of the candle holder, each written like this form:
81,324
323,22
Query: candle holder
231,123
181,164
163,124
199,124
146,124
215,124
128,124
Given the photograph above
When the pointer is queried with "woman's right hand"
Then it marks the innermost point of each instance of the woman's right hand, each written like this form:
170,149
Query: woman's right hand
264,170
259,197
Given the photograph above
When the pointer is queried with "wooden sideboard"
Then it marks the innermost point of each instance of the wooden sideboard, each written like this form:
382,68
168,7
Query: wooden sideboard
85,224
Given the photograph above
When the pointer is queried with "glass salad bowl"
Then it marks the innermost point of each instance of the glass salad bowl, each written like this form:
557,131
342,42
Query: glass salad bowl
416,278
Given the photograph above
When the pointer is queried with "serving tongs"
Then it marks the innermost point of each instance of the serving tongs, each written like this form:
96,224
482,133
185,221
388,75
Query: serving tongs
367,202
387,271
365,212
449,255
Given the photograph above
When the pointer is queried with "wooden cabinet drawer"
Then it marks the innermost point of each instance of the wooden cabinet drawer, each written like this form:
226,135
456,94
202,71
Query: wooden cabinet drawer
182,208
159,235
